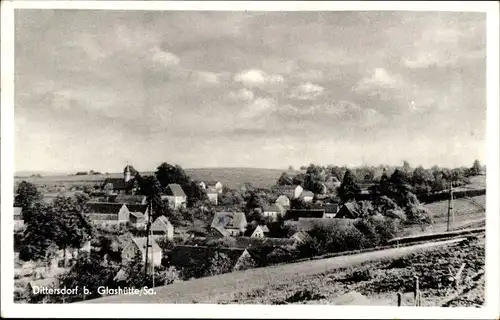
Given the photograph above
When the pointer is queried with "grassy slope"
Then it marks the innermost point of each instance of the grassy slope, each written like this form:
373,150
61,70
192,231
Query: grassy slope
386,278
466,213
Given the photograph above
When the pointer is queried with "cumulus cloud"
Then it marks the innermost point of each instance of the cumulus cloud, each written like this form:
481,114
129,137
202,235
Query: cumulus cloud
242,94
378,83
258,78
167,59
306,91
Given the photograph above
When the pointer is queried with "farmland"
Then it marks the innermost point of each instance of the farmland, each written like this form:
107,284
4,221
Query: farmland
230,177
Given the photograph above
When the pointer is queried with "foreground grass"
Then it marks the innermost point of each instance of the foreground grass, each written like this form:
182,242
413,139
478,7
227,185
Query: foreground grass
377,283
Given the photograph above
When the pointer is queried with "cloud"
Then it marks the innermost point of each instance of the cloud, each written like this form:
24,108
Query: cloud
379,83
306,91
208,77
165,58
258,78
242,94
258,108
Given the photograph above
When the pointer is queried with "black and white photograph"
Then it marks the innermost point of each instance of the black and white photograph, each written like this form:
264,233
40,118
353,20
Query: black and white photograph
266,157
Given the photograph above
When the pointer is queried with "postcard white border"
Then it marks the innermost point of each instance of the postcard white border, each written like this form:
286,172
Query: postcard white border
9,309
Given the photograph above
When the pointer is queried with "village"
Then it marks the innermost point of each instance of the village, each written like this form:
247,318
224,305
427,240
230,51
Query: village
217,229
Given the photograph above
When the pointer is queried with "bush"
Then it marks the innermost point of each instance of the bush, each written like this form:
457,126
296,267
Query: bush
358,275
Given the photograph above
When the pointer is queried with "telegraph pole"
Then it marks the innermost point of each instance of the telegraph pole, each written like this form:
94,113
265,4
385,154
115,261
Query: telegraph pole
148,227
450,206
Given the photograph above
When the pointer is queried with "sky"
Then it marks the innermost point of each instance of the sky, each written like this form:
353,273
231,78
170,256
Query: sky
98,89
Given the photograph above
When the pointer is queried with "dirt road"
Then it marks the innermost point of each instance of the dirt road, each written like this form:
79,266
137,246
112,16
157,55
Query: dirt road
223,287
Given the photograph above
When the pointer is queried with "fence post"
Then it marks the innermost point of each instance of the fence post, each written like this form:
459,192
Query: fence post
458,276
399,299
417,290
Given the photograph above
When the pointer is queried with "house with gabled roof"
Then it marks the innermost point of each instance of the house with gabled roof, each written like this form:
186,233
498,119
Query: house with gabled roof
130,199
273,211
163,226
331,210
137,220
215,184
175,196
348,210
135,245
105,213
306,196
292,192
234,223
283,200
142,208
259,231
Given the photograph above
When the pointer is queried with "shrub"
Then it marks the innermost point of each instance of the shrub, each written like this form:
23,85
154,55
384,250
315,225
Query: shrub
358,275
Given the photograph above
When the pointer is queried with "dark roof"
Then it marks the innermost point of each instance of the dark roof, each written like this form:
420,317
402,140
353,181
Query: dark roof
211,182
233,220
104,207
348,210
118,183
274,208
129,199
305,213
137,207
288,191
331,207
174,189
138,215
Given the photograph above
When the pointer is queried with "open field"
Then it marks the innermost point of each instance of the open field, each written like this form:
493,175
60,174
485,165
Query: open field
467,213
231,177
231,287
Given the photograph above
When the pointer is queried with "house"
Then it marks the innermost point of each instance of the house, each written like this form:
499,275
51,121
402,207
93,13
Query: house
217,185
18,218
139,245
283,200
201,184
257,232
292,192
213,195
348,211
130,199
307,196
105,213
125,185
137,220
273,211
142,208
232,223
163,226
175,196
295,214
331,210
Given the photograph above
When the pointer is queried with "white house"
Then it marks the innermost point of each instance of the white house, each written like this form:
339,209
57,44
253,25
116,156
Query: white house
139,245
292,192
213,195
273,211
18,218
163,226
283,201
108,213
259,232
217,185
175,196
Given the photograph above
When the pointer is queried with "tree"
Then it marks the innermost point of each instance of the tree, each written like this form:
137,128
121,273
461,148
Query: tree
313,179
194,193
406,167
285,179
476,168
219,264
254,201
167,174
27,196
298,179
349,188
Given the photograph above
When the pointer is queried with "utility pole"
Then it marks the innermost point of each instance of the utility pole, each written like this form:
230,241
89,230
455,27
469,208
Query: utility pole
450,208
148,227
